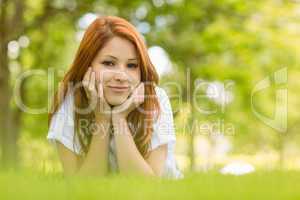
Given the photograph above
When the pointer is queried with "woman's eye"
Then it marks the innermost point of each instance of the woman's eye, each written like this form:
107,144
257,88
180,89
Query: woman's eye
108,63
132,65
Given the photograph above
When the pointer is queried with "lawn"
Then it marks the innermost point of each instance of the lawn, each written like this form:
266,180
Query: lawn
258,185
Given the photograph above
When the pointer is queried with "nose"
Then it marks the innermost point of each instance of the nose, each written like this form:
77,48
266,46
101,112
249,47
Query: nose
120,76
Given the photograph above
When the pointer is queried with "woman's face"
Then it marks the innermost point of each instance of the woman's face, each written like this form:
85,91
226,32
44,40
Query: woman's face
116,67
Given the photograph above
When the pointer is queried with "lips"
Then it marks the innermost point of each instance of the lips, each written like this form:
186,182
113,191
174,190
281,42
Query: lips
119,88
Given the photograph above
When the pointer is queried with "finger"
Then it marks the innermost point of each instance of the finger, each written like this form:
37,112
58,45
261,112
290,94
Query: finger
86,78
104,106
100,90
96,81
139,88
139,93
90,74
130,102
140,97
142,88
92,81
93,78
92,87
135,98
87,74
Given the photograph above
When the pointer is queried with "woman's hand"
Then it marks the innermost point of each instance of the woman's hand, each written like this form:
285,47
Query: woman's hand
137,97
96,98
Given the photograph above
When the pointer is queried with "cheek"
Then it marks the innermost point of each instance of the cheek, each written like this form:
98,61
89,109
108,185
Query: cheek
136,77
103,75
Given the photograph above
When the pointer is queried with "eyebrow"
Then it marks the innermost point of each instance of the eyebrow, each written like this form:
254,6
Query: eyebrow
117,58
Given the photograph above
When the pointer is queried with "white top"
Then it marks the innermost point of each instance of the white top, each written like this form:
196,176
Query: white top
62,129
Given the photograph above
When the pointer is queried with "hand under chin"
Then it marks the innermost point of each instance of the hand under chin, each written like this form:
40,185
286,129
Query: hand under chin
117,102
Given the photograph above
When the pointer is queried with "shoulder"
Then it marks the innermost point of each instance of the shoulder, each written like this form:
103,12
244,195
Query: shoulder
64,115
67,103
62,125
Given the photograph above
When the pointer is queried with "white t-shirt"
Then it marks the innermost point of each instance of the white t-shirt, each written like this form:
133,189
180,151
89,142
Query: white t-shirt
62,129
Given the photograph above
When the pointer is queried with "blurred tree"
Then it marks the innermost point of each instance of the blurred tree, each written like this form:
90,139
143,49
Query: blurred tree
17,18
195,34
237,41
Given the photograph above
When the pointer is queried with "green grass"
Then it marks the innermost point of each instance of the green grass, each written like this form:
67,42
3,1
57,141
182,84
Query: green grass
259,185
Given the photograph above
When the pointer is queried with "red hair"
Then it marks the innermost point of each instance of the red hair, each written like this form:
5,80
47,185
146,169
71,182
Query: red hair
96,36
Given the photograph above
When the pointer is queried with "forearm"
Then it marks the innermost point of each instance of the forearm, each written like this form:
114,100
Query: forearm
96,160
129,158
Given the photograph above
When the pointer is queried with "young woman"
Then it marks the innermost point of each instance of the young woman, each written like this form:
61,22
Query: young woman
108,114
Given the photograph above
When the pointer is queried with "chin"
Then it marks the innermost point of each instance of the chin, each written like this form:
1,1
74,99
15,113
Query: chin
116,101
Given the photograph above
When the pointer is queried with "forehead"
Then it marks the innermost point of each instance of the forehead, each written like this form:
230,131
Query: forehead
118,47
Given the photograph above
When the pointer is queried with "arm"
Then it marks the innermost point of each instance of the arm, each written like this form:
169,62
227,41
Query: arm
95,162
129,158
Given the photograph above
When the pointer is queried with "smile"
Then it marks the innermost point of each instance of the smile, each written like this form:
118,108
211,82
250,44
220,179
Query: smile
119,88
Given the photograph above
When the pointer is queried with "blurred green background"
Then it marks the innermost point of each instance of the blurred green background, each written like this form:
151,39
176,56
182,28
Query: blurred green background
231,66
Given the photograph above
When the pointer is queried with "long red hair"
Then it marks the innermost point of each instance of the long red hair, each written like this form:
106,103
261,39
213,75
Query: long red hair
94,39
